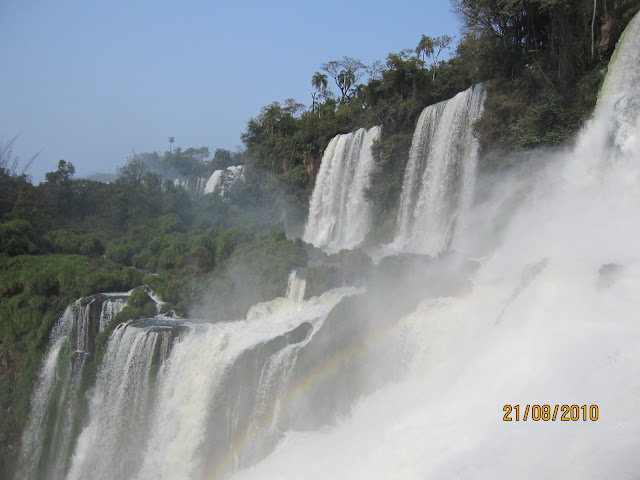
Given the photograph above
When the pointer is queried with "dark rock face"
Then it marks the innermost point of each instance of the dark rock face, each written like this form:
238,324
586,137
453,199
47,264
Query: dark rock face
614,24
608,274
241,403
86,322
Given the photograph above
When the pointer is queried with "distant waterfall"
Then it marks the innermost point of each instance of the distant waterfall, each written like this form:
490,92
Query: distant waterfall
339,211
195,185
221,181
213,181
439,177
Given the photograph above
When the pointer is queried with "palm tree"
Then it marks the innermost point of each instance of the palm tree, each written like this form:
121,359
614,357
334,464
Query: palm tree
346,78
320,83
170,144
425,47
432,47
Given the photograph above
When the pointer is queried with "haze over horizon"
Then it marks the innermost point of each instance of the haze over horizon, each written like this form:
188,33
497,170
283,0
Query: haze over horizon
94,83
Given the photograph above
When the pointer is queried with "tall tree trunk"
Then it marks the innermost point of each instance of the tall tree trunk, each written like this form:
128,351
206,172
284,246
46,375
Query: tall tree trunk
593,35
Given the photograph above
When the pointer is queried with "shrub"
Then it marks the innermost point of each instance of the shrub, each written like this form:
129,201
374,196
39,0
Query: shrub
119,253
171,223
139,298
17,238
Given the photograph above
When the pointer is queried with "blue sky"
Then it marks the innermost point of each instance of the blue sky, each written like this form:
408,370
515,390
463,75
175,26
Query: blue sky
92,82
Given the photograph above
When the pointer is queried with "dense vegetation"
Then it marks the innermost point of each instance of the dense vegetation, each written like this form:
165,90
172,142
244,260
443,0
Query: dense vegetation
67,238
542,62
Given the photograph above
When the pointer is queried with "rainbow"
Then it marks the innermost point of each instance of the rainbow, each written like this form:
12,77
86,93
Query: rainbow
223,466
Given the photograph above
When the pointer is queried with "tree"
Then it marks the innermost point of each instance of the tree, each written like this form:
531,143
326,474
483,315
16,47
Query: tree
346,73
320,83
139,189
221,159
202,154
432,47
346,79
63,175
549,39
593,22
60,186
293,108
131,174
425,47
375,70
171,139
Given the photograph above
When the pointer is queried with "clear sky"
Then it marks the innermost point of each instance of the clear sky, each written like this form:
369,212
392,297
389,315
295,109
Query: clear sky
93,81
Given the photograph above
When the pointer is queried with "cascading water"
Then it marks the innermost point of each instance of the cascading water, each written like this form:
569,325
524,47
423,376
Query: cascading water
33,436
339,211
195,185
550,319
166,389
440,174
221,181
295,288
51,428
213,181
118,409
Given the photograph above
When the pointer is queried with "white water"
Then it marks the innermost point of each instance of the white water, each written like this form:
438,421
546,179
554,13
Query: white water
52,413
440,174
147,428
32,436
338,210
110,309
118,412
295,288
550,320
213,181
192,184
221,181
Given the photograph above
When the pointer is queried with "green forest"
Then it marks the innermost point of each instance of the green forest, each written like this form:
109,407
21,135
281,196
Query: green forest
213,256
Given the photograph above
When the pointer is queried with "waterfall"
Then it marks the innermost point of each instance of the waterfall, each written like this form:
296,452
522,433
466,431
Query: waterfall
32,438
157,428
165,389
221,181
111,308
338,210
545,314
118,409
56,398
295,287
440,174
614,102
551,313
195,185
213,181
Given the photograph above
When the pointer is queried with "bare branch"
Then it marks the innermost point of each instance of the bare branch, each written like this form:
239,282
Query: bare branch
10,162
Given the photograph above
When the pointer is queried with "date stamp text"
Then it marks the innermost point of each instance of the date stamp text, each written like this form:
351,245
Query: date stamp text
562,413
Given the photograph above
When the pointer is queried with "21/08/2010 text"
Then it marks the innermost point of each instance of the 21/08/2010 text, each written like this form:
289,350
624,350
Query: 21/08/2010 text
546,412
